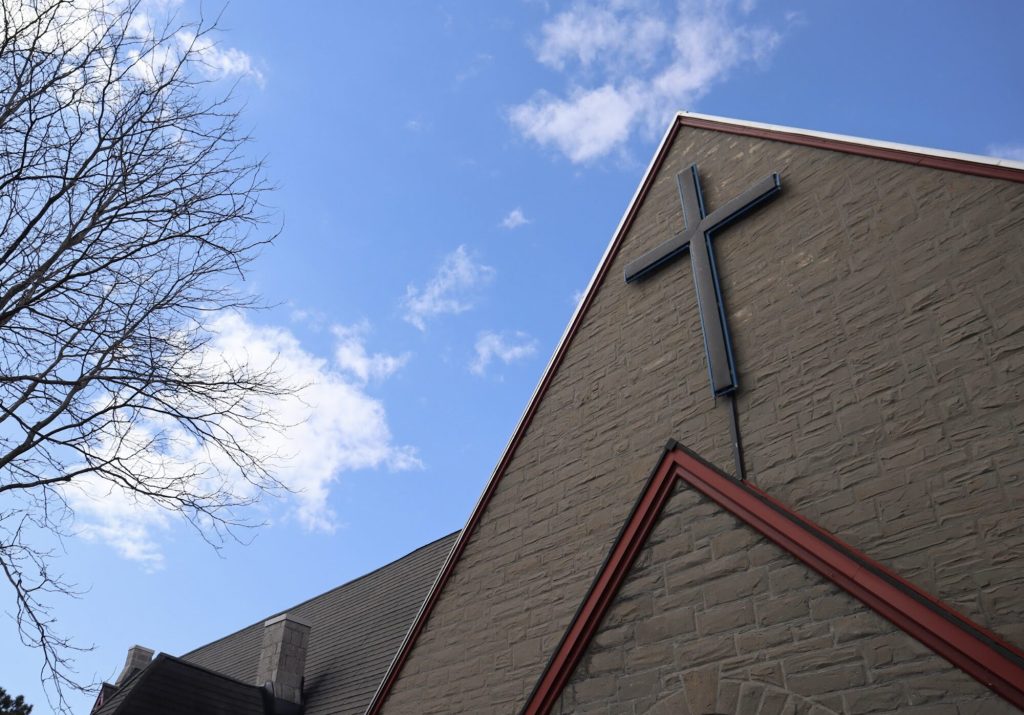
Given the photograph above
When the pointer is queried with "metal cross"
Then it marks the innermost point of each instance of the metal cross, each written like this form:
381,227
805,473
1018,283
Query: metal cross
696,238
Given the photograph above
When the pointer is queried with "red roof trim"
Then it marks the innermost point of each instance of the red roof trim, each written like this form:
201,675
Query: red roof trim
681,120
945,163
602,592
978,652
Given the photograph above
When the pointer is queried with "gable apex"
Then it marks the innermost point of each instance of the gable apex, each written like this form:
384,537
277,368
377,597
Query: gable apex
577,389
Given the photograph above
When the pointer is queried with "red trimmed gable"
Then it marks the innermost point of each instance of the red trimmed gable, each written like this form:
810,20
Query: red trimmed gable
978,652
868,254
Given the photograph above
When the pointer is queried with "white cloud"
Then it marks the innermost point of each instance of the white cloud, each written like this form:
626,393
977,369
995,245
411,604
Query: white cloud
1014,152
515,219
587,125
332,426
350,354
449,291
111,515
220,62
630,66
592,34
492,346
213,60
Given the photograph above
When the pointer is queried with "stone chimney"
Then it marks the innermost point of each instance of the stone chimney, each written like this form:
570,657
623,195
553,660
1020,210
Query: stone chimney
283,657
138,658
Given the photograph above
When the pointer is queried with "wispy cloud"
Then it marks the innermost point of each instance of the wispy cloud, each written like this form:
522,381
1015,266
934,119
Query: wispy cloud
629,66
507,348
450,291
515,219
614,35
315,320
220,62
351,355
480,63
1014,152
416,125
332,426
113,516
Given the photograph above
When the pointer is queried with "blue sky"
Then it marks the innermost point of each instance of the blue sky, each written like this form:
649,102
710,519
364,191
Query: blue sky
448,176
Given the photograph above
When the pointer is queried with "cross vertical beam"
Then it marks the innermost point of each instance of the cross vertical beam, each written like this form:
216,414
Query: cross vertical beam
699,229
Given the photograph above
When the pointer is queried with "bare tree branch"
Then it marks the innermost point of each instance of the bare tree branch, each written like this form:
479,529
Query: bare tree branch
129,209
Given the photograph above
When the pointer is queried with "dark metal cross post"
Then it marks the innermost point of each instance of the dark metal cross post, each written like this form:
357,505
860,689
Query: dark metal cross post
696,238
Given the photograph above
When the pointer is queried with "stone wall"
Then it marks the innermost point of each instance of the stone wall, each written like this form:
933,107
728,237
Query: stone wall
714,618
877,310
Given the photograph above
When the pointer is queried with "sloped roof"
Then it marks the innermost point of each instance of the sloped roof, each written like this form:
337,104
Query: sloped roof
169,686
356,630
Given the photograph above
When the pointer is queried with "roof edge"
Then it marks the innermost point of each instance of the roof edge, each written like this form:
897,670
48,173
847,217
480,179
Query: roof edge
974,164
531,407
159,661
134,680
178,660
285,612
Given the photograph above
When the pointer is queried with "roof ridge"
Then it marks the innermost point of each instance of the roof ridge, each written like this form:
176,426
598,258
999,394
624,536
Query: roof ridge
864,141
130,686
320,595
134,679
180,660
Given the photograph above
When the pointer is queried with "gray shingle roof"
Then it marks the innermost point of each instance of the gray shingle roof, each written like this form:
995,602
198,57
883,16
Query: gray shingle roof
356,630
170,686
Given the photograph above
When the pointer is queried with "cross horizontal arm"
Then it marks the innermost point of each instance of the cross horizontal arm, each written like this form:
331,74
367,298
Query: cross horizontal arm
699,228
736,208
656,257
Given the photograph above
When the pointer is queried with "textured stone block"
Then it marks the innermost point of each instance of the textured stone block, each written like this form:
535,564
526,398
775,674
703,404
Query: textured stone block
874,308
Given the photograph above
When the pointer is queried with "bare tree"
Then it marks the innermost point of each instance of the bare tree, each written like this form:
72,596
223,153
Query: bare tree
128,210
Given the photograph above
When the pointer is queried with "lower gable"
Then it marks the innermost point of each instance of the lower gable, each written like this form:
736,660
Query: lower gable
707,615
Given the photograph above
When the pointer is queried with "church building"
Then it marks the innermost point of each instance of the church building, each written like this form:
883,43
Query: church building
774,466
